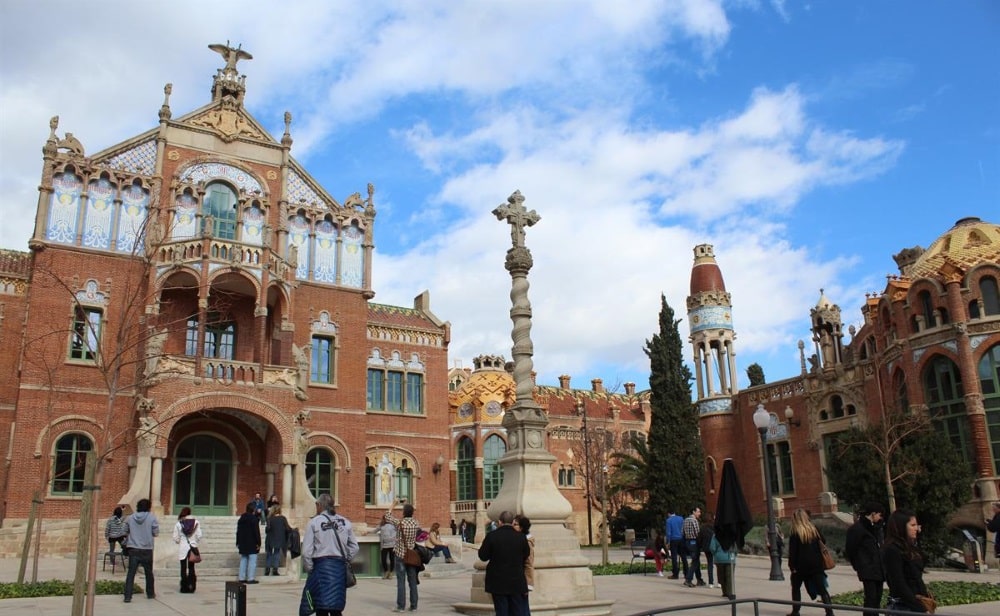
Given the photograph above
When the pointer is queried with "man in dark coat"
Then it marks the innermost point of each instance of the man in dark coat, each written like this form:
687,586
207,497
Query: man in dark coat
505,551
248,544
863,549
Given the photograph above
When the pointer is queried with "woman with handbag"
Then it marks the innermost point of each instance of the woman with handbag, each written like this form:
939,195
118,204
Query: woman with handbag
904,565
805,559
187,534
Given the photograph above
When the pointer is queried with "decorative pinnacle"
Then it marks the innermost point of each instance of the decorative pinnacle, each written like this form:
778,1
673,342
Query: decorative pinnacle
517,217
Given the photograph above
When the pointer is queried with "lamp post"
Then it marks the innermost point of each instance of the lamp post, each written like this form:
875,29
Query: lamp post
586,465
762,419
605,534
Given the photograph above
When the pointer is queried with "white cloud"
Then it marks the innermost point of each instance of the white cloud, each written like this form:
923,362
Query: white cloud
546,94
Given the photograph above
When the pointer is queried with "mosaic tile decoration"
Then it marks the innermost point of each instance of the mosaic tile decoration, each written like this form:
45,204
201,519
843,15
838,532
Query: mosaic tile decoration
205,172
140,159
299,190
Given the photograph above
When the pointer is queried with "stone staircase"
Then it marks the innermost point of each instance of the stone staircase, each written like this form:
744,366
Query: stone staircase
217,546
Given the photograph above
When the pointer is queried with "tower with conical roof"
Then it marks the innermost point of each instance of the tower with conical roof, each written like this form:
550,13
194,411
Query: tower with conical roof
712,336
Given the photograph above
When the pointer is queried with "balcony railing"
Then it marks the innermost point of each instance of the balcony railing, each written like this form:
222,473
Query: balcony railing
224,371
228,251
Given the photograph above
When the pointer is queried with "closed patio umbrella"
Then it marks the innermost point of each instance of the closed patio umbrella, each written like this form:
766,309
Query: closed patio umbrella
732,514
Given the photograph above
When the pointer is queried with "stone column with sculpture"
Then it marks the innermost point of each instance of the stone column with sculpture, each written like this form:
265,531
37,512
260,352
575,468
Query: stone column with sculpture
563,581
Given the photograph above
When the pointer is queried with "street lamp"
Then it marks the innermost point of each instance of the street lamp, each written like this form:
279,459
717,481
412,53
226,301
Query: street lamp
762,419
586,465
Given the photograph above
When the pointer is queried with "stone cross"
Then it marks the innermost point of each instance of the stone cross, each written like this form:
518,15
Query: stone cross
517,217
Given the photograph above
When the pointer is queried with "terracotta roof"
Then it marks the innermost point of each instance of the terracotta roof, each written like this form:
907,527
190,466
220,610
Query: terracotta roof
970,242
400,317
705,273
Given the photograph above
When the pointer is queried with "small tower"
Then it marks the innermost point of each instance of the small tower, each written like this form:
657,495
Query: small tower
710,316
828,332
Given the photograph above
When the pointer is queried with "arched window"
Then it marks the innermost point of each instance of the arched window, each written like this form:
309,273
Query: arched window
369,481
567,477
493,450
946,403
404,481
926,308
838,406
989,383
320,472
70,464
466,469
219,203
991,297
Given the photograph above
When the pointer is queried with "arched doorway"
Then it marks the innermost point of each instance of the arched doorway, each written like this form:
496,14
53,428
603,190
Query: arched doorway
202,479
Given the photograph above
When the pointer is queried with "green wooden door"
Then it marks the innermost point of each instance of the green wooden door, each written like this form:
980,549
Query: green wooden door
201,482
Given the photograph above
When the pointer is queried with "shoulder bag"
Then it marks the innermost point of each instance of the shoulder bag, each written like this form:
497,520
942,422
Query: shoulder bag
194,556
350,580
828,561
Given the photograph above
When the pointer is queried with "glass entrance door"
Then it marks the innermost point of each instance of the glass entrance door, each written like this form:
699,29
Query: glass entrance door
201,480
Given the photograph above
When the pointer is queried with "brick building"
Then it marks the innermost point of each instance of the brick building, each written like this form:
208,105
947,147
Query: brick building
198,310
586,426
930,342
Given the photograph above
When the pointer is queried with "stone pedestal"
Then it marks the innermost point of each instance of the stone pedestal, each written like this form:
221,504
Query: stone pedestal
564,584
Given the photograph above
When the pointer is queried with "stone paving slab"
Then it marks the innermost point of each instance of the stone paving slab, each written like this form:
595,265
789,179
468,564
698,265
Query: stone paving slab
273,596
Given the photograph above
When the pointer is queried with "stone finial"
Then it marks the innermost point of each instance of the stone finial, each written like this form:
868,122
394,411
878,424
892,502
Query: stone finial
517,217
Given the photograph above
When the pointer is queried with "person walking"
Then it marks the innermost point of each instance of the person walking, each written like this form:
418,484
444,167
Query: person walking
143,528
187,534
438,546
248,544
116,530
328,547
406,538
275,540
904,565
690,530
863,548
704,540
674,528
806,560
505,552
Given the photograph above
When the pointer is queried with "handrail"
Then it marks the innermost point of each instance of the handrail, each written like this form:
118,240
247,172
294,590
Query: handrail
810,605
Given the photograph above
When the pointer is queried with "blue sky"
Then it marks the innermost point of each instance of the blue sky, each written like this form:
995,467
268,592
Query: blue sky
808,141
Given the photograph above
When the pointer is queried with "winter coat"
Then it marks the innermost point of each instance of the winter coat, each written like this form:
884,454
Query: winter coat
864,551
248,534
276,532
187,534
904,576
505,551
805,559
720,555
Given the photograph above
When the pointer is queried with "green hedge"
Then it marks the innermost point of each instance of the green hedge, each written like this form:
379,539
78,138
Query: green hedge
946,593
58,588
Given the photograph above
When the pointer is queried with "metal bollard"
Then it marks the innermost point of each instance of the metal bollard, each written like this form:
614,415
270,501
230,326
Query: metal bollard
236,599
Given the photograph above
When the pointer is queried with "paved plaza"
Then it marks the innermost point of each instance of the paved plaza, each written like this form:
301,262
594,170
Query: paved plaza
280,597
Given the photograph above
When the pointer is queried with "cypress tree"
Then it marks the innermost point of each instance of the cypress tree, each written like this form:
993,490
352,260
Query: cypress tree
676,459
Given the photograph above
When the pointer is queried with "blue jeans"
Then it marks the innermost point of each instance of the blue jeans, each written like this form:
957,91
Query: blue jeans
248,567
405,575
137,557
274,557
438,549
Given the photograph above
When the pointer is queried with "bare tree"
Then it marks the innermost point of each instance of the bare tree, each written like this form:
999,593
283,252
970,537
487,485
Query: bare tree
122,347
